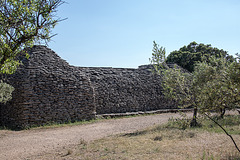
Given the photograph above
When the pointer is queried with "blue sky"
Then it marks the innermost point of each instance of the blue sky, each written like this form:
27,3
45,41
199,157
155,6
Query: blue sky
120,33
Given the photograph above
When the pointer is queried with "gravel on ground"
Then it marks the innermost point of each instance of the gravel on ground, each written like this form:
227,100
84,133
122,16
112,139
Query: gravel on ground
26,144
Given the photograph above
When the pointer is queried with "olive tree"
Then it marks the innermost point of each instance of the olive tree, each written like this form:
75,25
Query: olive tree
22,24
178,84
213,85
220,85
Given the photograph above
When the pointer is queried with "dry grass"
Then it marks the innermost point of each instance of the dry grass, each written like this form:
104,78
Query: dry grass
159,142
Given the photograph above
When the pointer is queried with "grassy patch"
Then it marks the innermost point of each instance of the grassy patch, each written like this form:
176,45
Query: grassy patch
99,119
52,125
230,123
69,124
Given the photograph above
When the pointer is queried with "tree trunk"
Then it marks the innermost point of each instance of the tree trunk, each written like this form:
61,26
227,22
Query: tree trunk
222,111
194,119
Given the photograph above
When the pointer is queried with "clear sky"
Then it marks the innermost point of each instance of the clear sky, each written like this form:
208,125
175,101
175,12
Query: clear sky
120,33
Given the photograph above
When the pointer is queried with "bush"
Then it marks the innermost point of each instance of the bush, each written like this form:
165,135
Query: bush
5,92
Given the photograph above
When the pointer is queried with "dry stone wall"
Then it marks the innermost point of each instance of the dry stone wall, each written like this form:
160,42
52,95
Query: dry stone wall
48,89
120,90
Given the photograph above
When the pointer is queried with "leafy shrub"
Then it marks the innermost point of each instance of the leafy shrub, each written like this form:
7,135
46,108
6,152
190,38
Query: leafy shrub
5,92
181,123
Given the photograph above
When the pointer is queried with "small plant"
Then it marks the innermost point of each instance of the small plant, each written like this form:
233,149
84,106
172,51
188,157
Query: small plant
158,138
207,156
83,144
5,92
183,122
190,134
69,152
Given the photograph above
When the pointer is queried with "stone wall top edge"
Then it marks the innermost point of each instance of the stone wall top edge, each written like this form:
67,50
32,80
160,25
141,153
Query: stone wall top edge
140,67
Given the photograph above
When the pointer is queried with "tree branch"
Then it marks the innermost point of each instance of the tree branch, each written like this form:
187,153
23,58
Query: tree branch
224,131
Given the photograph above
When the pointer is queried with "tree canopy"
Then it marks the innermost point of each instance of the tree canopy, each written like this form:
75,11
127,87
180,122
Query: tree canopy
189,55
219,82
213,85
22,24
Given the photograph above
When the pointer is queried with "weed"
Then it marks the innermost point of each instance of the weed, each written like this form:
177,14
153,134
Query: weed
207,156
181,123
69,152
190,134
137,133
158,138
83,144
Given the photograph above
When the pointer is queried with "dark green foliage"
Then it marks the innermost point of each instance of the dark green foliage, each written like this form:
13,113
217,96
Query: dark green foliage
189,55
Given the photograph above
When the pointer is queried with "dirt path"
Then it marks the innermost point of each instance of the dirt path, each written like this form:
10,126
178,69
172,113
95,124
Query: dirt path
29,143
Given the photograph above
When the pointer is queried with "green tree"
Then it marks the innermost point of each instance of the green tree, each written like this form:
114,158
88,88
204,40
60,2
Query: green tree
214,84
189,55
181,87
220,85
22,24
177,84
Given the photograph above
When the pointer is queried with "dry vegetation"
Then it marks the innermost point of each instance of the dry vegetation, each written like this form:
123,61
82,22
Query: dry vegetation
159,142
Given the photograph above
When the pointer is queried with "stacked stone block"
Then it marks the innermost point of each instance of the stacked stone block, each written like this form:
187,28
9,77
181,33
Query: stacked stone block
49,90
120,90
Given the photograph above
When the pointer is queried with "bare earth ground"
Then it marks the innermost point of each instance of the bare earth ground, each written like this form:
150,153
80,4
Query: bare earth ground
29,144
